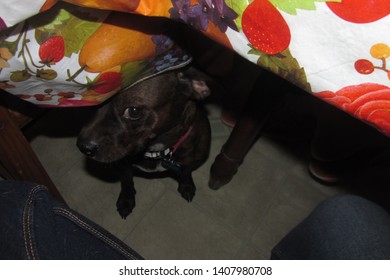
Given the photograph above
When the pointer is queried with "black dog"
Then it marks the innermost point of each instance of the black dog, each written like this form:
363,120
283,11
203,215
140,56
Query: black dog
155,126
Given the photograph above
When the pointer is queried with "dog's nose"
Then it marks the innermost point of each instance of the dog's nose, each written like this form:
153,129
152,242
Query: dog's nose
88,148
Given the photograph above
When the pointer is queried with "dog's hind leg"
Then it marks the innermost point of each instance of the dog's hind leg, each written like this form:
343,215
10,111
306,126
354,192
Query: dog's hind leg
186,186
126,200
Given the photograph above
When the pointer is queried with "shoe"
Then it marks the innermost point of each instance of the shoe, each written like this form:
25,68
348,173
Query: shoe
332,172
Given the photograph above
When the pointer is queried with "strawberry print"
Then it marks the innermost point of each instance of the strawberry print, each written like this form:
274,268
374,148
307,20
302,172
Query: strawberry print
265,27
52,50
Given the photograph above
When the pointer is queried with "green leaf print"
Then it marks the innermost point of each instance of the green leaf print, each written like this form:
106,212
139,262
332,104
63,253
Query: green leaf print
291,6
132,71
238,6
74,24
76,32
287,67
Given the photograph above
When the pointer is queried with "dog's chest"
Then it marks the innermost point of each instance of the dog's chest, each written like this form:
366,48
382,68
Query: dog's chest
164,164
150,166
158,159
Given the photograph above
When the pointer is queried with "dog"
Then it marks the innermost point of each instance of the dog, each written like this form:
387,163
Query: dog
155,125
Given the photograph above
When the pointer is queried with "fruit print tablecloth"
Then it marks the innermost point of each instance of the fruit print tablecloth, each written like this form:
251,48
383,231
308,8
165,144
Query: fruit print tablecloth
81,52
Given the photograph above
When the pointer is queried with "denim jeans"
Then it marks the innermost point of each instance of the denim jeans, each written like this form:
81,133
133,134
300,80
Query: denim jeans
344,227
35,226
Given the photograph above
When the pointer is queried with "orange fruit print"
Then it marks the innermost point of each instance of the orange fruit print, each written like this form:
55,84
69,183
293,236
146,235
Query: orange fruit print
121,38
265,27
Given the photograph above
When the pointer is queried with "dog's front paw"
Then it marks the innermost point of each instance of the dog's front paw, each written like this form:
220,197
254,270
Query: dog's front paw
125,206
187,191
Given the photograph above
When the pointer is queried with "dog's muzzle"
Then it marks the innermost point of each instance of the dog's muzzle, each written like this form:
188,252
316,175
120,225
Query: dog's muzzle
88,148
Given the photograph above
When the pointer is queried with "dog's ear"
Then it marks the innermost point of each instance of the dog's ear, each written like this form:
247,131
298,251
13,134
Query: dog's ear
193,84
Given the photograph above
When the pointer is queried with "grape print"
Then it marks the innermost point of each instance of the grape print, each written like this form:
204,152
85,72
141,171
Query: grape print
2,24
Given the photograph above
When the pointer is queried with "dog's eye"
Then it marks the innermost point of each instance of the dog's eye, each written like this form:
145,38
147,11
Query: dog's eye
132,113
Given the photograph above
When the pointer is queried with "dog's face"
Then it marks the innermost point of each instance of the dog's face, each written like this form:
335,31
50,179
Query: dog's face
127,123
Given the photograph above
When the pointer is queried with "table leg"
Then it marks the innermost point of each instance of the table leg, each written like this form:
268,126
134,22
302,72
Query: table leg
18,160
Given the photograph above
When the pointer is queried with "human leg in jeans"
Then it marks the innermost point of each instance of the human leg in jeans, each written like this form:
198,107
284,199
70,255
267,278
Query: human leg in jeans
342,227
35,226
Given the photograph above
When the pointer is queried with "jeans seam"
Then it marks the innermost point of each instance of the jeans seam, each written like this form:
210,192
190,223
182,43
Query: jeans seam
27,222
87,227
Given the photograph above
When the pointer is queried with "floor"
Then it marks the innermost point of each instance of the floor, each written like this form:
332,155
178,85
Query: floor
270,194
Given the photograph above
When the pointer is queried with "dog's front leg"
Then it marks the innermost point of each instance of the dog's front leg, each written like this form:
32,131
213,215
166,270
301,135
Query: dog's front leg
126,200
186,185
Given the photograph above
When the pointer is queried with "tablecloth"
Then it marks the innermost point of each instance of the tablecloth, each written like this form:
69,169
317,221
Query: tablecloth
81,52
